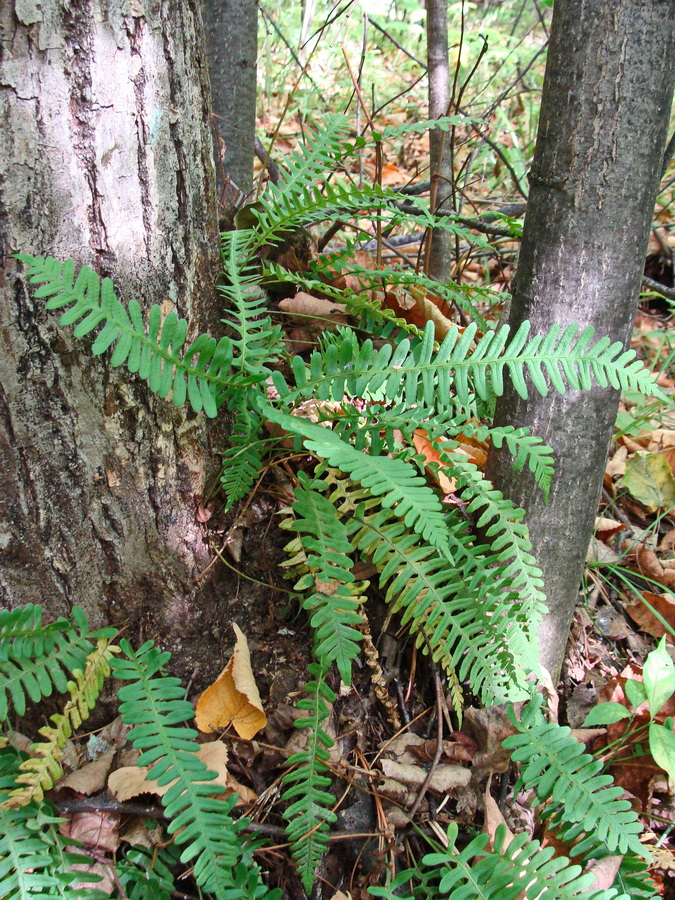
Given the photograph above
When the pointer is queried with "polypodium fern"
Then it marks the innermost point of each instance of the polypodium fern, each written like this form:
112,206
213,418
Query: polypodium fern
200,821
331,602
25,673
454,374
34,862
502,524
521,868
38,773
257,341
310,814
582,801
23,635
198,373
462,610
395,480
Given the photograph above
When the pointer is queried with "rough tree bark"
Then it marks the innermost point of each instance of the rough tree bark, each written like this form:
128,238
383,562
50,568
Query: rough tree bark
231,28
106,159
604,115
440,156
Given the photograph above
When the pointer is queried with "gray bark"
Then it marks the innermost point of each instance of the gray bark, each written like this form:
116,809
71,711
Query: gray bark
105,159
605,109
440,149
231,28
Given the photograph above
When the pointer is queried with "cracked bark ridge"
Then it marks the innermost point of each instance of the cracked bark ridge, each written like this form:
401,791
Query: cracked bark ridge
106,158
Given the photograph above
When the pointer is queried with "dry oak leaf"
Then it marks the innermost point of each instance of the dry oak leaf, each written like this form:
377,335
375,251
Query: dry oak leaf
90,779
233,699
307,309
664,604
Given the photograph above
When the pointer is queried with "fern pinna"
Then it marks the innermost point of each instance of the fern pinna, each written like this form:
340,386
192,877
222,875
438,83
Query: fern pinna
556,766
35,859
310,813
36,659
200,817
38,773
509,871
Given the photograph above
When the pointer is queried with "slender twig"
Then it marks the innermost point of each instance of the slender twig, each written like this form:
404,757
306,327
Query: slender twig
268,163
439,746
397,45
668,293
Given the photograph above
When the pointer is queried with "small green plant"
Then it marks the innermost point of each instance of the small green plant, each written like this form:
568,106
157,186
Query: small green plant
657,687
474,604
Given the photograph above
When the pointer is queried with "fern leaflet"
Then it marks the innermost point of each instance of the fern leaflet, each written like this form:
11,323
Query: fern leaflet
157,353
554,764
201,822
66,649
332,604
38,773
310,815
523,868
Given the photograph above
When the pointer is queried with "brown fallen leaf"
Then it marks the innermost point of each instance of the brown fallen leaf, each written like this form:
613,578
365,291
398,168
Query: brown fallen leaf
130,781
444,778
664,604
604,871
233,699
90,779
313,311
493,819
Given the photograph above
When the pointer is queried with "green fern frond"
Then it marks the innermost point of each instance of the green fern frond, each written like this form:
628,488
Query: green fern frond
473,627
38,773
242,460
395,888
331,602
414,283
523,868
258,342
145,875
310,815
66,650
503,526
442,123
198,373
22,634
322,150
583,802
524,446
414,373
201,822
33,860
395,481
374,318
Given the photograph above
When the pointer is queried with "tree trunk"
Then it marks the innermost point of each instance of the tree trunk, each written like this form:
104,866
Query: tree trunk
231,28
604,115
440,149
106,159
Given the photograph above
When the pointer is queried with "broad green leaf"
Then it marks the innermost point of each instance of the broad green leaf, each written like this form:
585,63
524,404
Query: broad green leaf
605,714
662,747
659,675
635,692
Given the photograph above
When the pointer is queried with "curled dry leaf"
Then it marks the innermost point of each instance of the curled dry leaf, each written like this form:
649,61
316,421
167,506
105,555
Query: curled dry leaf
493,819
445,777
233,699
645,619
130,781
90,779
314,312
